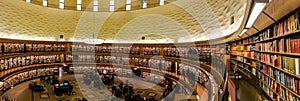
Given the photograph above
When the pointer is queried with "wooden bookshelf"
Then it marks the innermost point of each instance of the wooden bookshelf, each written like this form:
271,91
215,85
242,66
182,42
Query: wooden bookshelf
273,50
274,38
280,69
281,53
268,77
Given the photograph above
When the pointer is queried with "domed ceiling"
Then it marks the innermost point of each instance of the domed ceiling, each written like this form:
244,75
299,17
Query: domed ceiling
175,21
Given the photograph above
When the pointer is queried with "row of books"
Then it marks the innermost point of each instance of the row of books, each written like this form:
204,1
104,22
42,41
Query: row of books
281,77
141,62
27,60
30,47
11,47
99,59
238,47
153,50
192,53
154,63
288,25
221,49
289,64
123,49
176,51
282,45
150,50
105,49
272,87
22,76
45,47
194,74
284,95
158,64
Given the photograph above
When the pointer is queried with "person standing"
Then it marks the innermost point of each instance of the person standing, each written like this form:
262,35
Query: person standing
114,88
113,79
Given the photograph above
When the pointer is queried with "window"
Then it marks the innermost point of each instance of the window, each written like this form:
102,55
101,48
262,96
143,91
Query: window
45,2
144,3
128,5
61,4
79,3
232,20
28,0
111,5
161,2
95,5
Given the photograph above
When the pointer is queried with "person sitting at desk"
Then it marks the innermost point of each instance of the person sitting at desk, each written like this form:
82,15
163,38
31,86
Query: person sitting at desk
37,88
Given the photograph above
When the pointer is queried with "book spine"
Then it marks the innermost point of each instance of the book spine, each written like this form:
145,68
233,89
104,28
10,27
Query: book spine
296,46
297,66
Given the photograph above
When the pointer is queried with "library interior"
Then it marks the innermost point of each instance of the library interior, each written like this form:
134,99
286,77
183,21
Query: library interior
150,50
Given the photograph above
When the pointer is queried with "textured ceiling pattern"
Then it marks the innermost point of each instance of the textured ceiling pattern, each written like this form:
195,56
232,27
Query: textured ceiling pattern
178,21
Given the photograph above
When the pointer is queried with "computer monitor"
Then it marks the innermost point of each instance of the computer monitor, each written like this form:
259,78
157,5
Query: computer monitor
66,84
61,84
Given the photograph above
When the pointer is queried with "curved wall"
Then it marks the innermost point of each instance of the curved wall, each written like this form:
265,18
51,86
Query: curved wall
35,50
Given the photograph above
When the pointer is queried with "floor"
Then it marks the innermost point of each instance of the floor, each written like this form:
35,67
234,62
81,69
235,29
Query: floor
248,92
22,93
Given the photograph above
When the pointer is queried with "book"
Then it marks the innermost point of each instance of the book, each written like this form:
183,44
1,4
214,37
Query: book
296,46
292,65
297,20
297,66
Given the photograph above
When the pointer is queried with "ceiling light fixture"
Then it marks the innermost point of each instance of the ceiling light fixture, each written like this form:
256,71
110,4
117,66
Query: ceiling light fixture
258,7
244,30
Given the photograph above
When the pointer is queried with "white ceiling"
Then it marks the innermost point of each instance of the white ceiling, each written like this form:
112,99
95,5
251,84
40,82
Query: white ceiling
177,21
